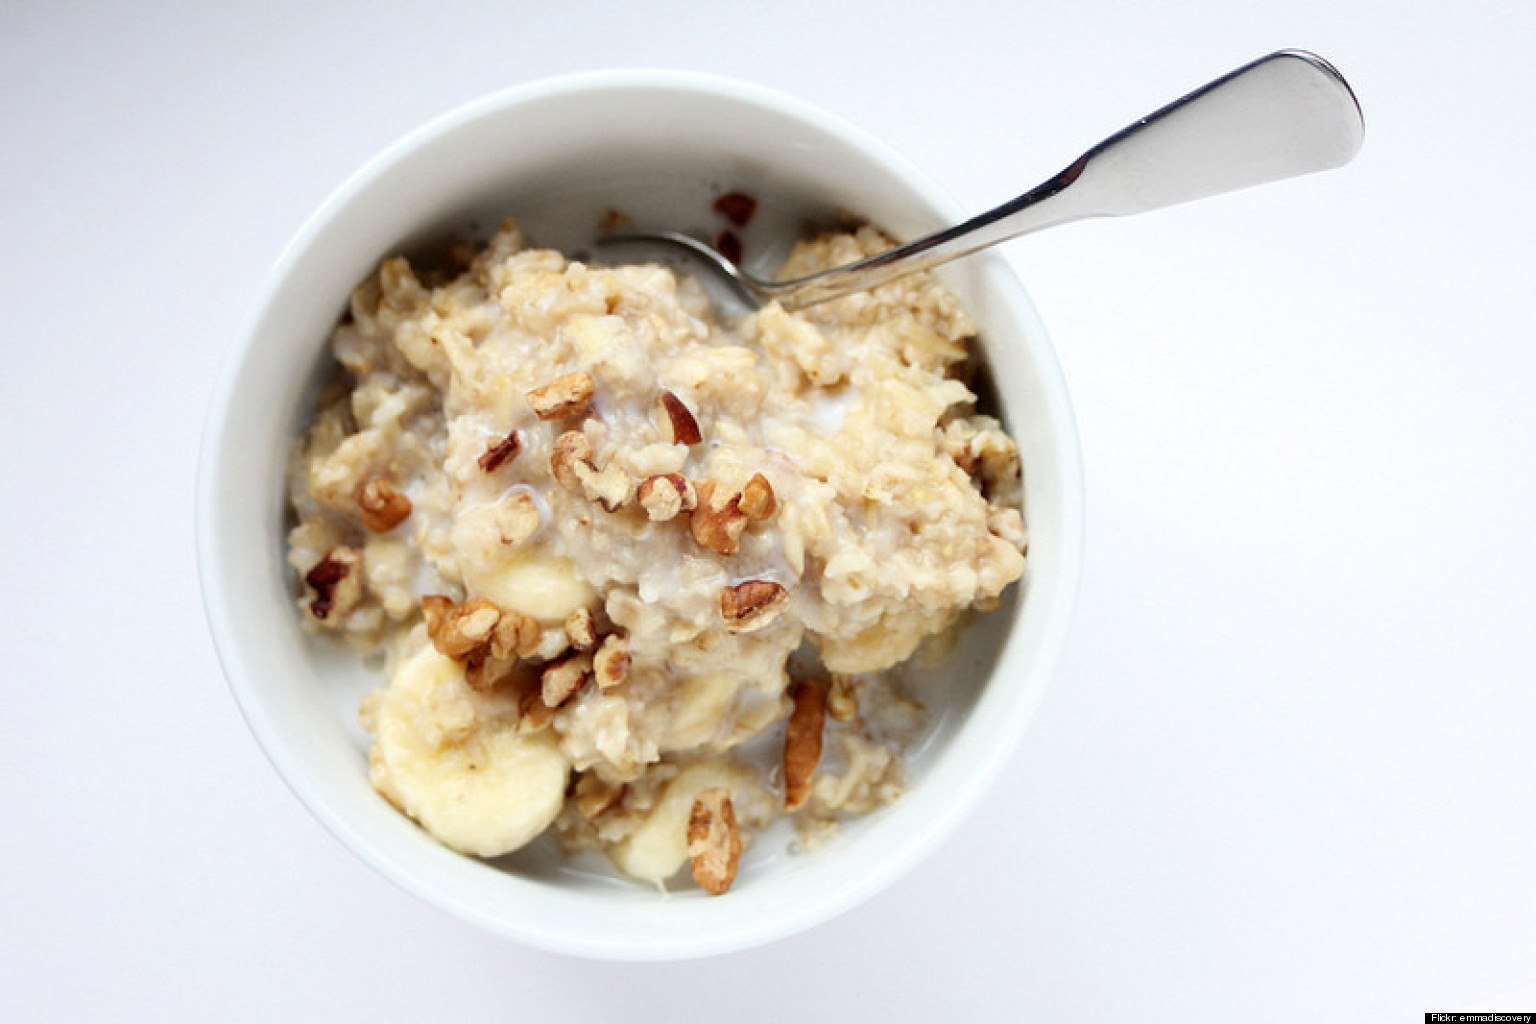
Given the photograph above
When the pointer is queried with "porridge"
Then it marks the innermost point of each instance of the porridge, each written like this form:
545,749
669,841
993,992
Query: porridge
637,577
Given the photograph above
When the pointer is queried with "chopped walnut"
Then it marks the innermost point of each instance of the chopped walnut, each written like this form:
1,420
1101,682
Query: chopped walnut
757,500
337,588
610,665
572,466
581,630
563,397
802,740
677,424
718,522
750,606
533,714
728,244
563,677
572,449
714,843
380,506
500,453
434,612
467,629
610,487
736,207
595,796
517,635
517,518
667,496
484,670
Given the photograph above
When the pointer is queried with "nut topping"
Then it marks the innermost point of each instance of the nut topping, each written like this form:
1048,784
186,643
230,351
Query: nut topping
380,506
434,612
677,424
500,453
337,588
563,677
533,713
610,486
581,630
572,465
728,244
572,449
751,605
802,740
717,523
484,671
736,207
517,518
517,635
563,397
610,665
667,496
466,629
757,500
714,844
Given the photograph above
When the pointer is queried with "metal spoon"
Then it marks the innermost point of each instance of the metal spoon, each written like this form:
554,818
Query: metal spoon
1287,114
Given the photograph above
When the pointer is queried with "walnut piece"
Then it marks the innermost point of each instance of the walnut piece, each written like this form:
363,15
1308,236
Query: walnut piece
667,496
750,606
728,244
610,664
736,207
517,518
677,424
563,677
563,397
572,449
757,501
714,843
581,630
610,486
802,740
517,635
533,714
572,466
380,506
501,453
466,629
484,670
337,588
434,612
718,521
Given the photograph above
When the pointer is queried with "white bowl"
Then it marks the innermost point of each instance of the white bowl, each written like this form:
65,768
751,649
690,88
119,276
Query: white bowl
558,154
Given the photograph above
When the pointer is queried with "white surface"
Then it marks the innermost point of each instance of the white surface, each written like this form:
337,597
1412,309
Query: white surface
1286,765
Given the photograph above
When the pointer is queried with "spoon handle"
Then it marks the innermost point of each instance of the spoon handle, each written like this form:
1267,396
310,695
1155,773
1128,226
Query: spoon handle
1283,115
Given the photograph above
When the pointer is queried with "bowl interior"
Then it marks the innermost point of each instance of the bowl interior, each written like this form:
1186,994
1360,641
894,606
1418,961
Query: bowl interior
559,156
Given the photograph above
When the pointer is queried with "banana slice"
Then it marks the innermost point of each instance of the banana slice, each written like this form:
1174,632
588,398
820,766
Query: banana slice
658,848
545,587
455,762
700,709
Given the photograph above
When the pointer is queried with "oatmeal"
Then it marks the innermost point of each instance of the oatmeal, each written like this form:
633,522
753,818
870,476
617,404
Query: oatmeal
638,575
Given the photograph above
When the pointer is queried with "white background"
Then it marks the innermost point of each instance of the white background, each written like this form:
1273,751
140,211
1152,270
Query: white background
1288,764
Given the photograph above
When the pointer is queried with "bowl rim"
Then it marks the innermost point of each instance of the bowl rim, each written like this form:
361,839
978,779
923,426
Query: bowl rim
1056,615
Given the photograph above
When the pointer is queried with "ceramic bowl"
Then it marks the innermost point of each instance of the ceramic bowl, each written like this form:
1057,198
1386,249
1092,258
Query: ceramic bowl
558,154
